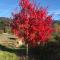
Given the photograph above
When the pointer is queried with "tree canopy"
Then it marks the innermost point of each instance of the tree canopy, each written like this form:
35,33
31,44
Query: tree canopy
32,23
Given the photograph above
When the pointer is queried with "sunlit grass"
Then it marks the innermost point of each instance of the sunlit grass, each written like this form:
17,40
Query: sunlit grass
4,55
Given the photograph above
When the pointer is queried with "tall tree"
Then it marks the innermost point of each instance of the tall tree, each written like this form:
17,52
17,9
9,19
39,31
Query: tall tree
32,23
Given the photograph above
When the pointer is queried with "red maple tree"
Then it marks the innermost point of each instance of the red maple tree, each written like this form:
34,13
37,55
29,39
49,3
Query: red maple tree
31,23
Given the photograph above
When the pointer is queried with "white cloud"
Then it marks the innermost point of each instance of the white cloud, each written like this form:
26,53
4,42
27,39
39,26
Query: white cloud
54,12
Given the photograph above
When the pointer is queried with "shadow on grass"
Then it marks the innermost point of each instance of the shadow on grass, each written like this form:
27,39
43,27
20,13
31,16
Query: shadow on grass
19,52
50,51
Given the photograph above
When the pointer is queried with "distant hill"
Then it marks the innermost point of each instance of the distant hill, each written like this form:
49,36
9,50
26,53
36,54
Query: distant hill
5,18
57,21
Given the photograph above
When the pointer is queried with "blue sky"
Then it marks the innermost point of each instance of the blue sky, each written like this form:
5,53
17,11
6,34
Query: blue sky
8,6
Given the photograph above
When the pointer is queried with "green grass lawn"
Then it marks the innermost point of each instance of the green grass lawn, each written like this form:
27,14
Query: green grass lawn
4,55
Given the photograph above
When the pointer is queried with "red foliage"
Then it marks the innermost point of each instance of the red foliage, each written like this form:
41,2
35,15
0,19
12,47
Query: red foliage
35,25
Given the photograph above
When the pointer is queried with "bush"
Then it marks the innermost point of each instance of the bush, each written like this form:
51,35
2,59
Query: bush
4,55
